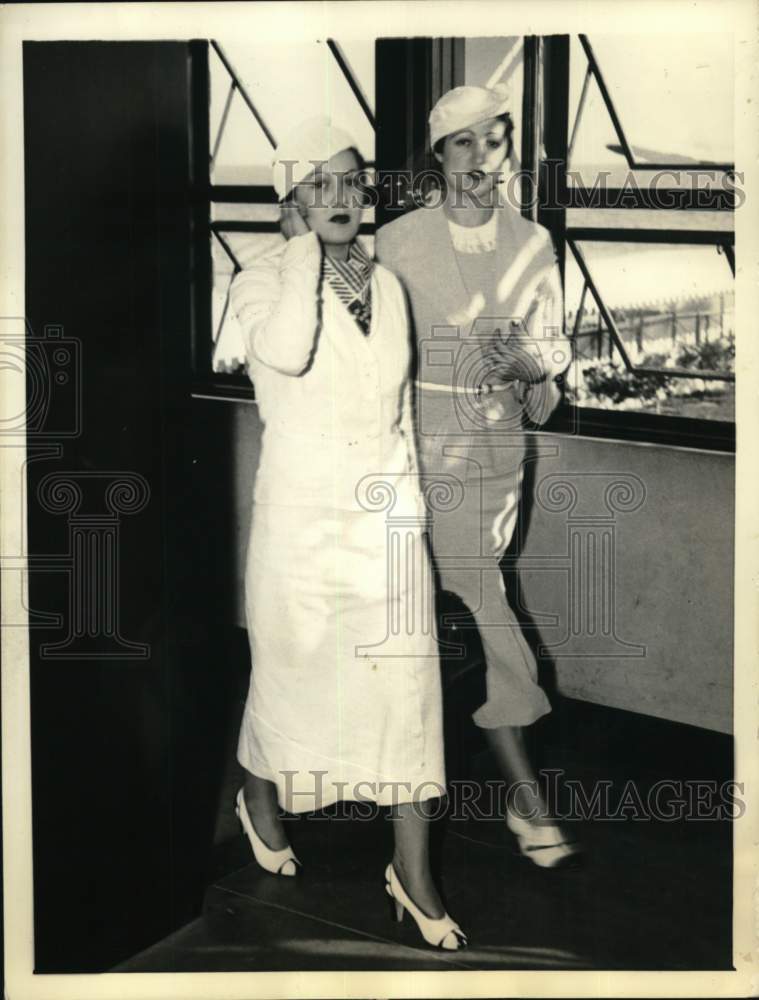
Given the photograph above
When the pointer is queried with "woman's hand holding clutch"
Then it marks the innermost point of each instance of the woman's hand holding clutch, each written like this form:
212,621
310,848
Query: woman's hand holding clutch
514,358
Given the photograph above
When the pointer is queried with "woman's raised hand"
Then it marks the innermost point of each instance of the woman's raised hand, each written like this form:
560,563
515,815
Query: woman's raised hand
292,223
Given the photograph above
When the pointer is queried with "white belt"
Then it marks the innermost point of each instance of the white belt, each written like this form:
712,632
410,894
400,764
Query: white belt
461,390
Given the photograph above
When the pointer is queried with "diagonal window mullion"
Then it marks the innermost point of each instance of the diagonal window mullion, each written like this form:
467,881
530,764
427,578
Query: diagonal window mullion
352,81
729,252
243,93
607,99
580,312
223,122
237,267
236,270
632,162
224,311
605,313
580,109
228,251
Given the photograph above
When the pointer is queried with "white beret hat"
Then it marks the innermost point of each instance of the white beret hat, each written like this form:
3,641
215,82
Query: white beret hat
463,107
313,141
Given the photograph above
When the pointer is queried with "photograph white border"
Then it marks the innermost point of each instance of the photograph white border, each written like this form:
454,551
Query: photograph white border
307,21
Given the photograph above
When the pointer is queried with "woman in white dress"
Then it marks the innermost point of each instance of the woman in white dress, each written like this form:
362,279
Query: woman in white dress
344,700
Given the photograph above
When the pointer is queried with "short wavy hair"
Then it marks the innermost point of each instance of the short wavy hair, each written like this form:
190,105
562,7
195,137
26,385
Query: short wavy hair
508,122
289,198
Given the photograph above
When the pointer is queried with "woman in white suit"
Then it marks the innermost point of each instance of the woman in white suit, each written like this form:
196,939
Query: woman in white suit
340,706
485,296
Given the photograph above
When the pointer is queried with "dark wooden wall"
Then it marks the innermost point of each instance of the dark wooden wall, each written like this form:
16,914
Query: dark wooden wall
123,744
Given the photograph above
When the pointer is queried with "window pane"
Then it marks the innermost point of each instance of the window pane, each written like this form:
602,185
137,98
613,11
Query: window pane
674,308
642,218
242,151
286,83
244,212
229,348
672,93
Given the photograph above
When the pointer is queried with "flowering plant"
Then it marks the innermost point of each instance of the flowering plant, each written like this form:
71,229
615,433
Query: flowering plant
612,384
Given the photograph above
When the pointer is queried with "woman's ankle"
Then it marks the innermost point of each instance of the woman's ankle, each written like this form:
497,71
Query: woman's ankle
263,811
417,881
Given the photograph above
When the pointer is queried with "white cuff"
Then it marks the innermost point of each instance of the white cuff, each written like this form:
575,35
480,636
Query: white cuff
302,251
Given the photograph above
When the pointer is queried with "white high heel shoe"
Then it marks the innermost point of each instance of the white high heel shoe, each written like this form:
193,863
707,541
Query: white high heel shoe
545,846
281,862
442,933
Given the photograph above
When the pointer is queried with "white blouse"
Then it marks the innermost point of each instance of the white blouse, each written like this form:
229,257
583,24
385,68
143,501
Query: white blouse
475,239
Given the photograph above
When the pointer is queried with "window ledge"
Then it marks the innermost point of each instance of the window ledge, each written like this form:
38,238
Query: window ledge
643,428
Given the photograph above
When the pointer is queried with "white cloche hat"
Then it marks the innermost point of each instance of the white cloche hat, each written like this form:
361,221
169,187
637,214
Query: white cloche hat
313,141
463,107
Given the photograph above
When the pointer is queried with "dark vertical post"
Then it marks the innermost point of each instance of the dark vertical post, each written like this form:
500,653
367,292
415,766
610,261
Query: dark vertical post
552,189
530,126
202,267
410,75
122,809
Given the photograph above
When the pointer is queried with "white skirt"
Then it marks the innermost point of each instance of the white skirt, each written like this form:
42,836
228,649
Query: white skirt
345,698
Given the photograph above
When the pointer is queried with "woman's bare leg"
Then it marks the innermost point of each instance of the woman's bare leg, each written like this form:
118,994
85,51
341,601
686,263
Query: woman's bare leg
263,810
507,745
411,859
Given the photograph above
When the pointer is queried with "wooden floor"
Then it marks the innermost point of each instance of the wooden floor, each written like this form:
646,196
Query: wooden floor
653,895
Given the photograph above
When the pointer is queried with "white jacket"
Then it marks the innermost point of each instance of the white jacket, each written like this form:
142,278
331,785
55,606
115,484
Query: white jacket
335,402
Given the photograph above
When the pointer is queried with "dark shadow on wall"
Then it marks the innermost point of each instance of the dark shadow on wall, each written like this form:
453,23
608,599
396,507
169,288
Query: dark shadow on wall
510,568
550,728
126,749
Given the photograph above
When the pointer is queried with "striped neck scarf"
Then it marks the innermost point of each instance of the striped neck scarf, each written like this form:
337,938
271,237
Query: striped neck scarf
351,281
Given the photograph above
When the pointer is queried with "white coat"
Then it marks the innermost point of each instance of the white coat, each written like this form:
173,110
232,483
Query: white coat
344,699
